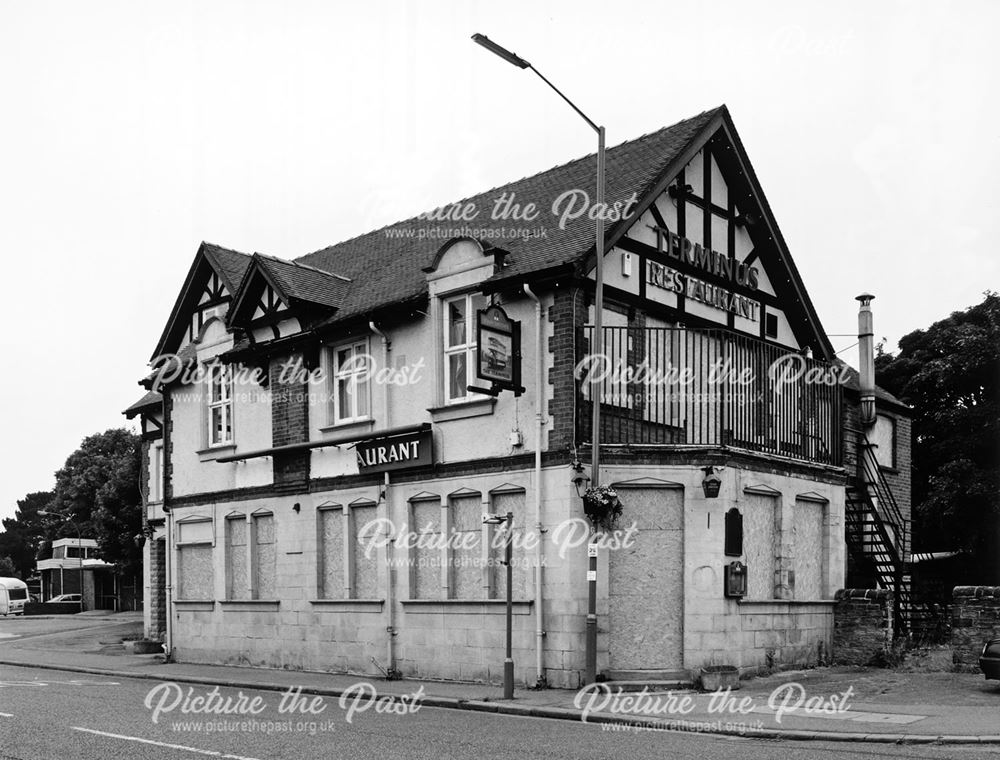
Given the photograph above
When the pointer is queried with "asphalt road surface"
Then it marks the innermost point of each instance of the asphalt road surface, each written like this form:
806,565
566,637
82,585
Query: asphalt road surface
51,714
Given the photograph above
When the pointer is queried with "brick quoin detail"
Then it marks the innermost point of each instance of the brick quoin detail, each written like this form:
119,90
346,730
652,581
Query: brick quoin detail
567,314
289,424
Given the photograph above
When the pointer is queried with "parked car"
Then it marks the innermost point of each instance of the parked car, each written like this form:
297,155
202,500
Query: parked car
65,598
989,660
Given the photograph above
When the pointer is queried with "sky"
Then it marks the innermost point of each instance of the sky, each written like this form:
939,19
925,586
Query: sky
132,131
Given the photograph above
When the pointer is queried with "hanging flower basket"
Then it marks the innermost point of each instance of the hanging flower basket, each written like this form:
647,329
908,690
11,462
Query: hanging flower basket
602,507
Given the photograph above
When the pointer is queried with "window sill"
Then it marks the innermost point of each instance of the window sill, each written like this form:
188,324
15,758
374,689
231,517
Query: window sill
348,605
890,470
195,605
251,604
343,430
466,606
462,410
214,452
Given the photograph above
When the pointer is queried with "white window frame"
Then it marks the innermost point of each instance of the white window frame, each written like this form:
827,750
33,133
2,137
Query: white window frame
468,348
351,375
223,401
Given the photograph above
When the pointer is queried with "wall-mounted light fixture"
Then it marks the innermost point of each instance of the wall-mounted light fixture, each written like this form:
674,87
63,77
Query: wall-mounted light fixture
580,479
711,482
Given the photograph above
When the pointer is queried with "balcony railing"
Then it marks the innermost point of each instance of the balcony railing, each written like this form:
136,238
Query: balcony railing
664,386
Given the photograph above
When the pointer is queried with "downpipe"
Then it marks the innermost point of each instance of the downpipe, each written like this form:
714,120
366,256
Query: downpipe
540,681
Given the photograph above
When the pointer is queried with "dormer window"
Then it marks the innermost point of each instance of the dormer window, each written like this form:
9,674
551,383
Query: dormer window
220,405
460,344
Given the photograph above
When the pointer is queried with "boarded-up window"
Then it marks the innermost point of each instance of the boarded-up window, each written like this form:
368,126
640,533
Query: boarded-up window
237,582
264,557
331,550
883,437
195,578
467,551
426,555
502,503
760,537
365,570
809,550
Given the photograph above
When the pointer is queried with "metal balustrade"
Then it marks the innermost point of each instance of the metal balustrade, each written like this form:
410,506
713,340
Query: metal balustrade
663,386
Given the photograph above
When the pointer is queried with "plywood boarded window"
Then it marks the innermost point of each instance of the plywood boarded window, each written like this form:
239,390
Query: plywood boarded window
467,552
761,543
501,503
364,567
195,576
425,520
810,549
237,581
263,556
333,561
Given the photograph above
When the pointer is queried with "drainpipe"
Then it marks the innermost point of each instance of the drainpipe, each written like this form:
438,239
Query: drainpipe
866,359
539,435
390,627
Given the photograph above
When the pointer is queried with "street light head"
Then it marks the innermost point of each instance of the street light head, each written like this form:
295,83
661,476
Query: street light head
486,42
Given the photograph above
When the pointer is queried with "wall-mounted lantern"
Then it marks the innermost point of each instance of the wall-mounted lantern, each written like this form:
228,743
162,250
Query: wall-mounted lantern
736,580
711,483
580,479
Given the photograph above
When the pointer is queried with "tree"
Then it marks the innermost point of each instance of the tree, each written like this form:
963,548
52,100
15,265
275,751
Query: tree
7,569
23,532
950,375
98,488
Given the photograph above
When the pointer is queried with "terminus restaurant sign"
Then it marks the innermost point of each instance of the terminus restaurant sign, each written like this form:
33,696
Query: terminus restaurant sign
696,255
397,453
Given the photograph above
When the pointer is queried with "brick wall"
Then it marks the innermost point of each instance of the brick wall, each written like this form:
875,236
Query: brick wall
862,625
975,617
567,313
289,424
157,573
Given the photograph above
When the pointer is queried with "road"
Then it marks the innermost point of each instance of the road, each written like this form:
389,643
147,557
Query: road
47,714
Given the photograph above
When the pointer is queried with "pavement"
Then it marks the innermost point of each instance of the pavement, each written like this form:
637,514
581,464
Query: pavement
893,706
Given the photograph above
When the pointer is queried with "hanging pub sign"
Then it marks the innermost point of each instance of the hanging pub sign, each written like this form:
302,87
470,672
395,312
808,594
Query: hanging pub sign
398,452
498,350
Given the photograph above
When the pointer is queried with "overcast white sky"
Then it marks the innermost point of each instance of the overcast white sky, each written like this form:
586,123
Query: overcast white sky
129,132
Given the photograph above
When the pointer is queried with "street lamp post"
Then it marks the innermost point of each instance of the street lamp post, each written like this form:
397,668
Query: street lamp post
79,548
508,663
597,345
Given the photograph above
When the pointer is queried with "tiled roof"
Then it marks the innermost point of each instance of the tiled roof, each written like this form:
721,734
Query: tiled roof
150,400
853,383
386,265
306,283
232,265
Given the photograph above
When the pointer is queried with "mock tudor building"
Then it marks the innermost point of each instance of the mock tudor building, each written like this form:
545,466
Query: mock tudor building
323,437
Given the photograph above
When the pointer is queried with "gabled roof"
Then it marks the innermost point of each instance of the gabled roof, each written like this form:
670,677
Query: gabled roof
387,263
228,264
386,266
293,282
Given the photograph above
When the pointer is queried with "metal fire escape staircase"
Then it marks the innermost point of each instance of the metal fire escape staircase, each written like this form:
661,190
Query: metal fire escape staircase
876,533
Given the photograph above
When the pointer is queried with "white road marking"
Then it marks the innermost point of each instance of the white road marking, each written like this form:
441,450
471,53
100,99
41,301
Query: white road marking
7,715
210,752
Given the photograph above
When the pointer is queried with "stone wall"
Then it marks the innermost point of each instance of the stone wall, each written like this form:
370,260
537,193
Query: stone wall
862,626
975,617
